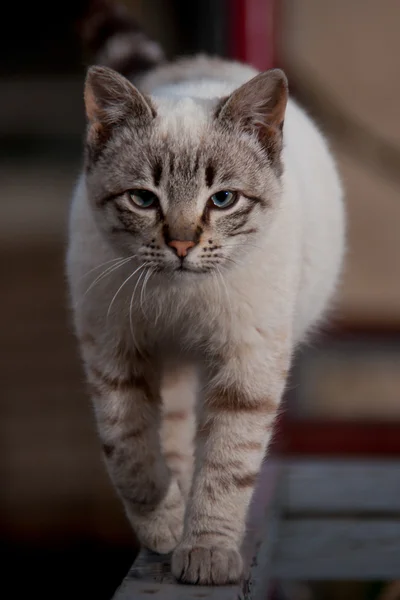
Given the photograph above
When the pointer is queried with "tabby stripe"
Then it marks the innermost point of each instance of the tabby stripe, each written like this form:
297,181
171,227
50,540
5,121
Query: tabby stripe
225,481
245,211
108,450
232,401
157,172
210,174
236,223
196,162
223,465
87,339
201,533
172,160
121,384
175,415
244,481
200,517
258,200
249,446
94,389
174,456
134,433
109,198
244,231
108,420
130,220
223,532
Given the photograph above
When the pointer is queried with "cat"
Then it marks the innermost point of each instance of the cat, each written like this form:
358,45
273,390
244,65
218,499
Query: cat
206,240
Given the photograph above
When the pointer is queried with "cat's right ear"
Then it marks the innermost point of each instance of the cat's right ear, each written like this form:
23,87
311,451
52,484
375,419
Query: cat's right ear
110,99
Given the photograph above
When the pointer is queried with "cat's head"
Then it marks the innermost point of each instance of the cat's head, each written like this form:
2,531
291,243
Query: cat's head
186,185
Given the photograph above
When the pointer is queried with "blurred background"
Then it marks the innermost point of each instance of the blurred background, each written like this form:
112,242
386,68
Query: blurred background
60,523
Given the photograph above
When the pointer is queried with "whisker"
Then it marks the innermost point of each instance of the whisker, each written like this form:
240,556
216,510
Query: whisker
226,291
158,315
136,284
233,261
121,286
131,322
131,307
139,278
216,280
238,246
101,265
104,274
142,293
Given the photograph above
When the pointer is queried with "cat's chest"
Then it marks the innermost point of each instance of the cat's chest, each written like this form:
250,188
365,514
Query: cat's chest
176,323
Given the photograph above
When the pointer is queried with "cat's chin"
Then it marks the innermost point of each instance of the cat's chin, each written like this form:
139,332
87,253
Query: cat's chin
179,275
188,273
186,269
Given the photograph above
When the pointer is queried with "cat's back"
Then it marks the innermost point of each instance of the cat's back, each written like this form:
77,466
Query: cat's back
314,192
201,75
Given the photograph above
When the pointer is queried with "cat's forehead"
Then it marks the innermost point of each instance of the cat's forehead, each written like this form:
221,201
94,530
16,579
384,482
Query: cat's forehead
183,139
183,150
186,138
185,119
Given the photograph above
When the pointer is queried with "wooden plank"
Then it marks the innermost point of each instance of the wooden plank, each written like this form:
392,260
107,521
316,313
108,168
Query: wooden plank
259,575
263,508
342,487
323,549
150,573
300,547
262,532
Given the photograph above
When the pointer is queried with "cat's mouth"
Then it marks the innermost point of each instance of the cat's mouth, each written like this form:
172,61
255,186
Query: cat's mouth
183,268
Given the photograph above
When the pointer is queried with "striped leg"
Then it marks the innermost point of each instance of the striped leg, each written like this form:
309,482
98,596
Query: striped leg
179,389
237,427
128,411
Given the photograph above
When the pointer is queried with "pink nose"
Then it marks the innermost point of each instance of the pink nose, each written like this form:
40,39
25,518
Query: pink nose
181,248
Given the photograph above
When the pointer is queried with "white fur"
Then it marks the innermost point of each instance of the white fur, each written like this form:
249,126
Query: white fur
247,323
311,229
301,255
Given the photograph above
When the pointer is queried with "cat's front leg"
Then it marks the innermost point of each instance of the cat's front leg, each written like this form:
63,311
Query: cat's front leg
178,428
128,411
239,412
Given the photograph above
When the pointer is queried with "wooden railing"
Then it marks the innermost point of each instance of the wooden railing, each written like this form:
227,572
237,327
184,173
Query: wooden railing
310,520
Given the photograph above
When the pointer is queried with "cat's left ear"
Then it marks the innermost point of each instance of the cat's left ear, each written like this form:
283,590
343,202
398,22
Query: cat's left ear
259,106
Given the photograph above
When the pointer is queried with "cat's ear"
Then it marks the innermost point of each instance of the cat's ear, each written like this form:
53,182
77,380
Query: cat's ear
259,106
110,98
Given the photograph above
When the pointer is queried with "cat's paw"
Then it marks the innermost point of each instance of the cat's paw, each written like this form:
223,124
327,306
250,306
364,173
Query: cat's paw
207,565
161,530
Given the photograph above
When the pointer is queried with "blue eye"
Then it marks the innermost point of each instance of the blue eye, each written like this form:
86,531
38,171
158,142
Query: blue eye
223,199
143,198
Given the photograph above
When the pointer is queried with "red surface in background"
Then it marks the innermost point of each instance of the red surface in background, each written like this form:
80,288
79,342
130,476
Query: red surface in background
335,438
253,32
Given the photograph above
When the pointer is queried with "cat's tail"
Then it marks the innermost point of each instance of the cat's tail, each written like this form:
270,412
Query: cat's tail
112,38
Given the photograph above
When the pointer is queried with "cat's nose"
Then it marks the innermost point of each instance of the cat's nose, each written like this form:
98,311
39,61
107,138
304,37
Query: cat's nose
181,247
